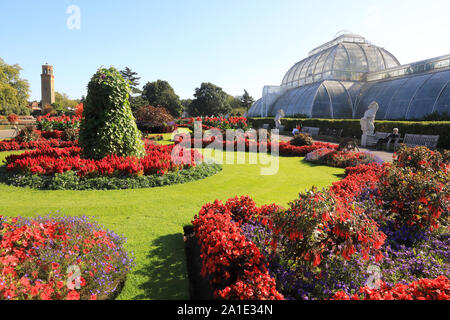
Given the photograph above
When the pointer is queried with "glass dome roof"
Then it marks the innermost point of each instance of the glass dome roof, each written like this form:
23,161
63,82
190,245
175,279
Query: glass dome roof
349,57
341,78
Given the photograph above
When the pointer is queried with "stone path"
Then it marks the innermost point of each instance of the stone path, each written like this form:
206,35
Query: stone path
386,156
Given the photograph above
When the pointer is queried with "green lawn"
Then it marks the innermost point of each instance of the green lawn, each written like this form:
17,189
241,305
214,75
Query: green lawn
153,219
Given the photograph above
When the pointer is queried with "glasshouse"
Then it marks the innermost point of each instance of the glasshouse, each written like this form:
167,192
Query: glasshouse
339,79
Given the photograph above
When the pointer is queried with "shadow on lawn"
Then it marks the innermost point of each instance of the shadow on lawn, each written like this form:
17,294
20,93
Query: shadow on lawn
313,165
166,270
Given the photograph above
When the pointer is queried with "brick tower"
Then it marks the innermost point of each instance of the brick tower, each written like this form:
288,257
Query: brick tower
47,85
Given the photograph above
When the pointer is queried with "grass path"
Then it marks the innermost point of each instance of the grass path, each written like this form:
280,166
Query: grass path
153,219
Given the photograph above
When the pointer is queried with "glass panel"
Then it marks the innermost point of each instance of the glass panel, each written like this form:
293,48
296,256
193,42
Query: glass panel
304,101
341,59
400,103
443,103
341,104
329,61
376,62
358,61
353,89
311,68
425,98
255,111
291,107
293,71
288,74
305,69
387,91
320,63
369,93
299,69
321,106
391,62
282,102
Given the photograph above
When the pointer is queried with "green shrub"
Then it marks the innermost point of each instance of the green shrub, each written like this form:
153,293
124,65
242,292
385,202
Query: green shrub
28,134
415,198
71,134
302,139
108,126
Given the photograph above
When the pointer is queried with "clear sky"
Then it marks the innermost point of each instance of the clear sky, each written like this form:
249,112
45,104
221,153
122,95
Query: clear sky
234,44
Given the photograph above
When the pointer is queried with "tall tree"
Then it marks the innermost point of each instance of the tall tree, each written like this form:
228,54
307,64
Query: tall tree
137,102
235,102
160,93
247,100
209,100
63,103
14,91
186,103
132,79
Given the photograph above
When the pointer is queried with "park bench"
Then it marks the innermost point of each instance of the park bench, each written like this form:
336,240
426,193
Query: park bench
312,131
333,133
372,140
414,140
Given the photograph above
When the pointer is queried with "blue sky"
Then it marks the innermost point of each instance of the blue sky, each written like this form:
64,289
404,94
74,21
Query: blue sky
234,44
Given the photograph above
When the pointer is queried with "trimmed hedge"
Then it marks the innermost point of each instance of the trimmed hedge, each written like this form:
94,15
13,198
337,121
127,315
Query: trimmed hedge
108,125
352,127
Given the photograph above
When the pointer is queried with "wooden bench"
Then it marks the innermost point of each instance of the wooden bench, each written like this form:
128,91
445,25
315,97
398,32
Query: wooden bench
312,131
414,140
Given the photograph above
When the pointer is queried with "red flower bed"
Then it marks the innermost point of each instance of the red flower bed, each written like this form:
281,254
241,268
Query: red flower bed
341,159
319,224
12,118
59,258
357,179
10,145
236,266
55,134
423,289
47,161
79,110
216,122
331,223
49,123
285,149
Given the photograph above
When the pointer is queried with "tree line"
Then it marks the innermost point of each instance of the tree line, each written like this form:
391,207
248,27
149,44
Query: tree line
209,99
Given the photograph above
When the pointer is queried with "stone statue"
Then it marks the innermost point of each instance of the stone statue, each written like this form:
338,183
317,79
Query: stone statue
368,122
278,117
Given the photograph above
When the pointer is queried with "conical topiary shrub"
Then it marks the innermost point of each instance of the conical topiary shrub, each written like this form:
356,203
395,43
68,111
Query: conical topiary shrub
108,126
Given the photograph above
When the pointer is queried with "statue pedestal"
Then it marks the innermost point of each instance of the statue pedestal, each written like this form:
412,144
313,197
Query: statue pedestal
367,138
